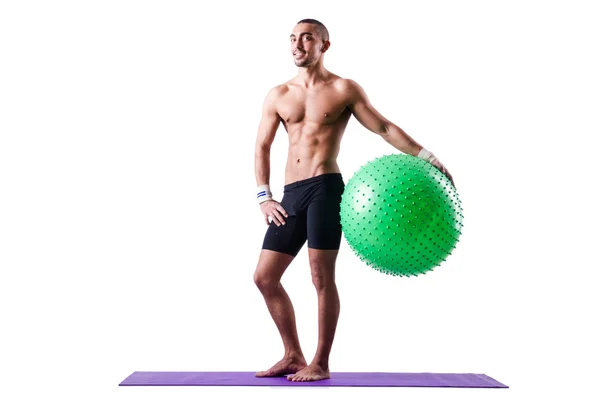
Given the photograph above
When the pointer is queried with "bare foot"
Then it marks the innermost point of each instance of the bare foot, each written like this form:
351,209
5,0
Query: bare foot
284,367
309,374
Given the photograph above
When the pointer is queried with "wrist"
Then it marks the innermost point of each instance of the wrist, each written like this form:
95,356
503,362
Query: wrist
426,155
264,194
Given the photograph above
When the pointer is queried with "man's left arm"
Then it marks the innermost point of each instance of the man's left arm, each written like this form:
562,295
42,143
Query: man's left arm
371,119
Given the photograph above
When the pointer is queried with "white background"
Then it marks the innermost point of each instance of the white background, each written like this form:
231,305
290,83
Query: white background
129,231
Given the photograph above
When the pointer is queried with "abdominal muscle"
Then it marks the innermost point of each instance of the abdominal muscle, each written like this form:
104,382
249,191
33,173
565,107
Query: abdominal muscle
313,150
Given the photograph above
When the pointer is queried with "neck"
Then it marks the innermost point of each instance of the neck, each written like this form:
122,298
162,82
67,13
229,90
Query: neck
312,74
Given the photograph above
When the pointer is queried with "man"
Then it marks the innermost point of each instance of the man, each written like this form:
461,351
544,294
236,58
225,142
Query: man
314,107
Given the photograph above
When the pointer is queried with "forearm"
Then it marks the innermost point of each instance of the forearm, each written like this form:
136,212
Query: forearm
399,139
262,165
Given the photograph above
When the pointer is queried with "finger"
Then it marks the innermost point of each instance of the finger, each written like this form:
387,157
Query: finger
451,180
274,219
446,173
278,216
267,219
282,210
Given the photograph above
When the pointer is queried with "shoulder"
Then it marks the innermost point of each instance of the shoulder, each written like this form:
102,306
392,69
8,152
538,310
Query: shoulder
351,90
348,86
274,94
278,91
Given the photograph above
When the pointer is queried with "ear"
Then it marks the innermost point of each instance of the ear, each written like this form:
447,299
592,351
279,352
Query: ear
325,46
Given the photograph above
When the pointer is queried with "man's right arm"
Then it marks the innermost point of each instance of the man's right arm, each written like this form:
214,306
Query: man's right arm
262,159
266,135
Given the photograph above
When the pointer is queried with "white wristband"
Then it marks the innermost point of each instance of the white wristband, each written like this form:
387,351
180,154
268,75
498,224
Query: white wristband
426,155
264,193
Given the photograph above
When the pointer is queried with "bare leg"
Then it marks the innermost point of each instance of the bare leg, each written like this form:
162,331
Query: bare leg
270,269
322,265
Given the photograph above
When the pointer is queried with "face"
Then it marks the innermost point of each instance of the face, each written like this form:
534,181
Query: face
306,44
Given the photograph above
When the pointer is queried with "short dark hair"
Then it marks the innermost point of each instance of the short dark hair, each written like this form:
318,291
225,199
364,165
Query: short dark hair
323,32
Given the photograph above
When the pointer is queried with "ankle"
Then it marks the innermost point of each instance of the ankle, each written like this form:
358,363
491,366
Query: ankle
294,355
321,363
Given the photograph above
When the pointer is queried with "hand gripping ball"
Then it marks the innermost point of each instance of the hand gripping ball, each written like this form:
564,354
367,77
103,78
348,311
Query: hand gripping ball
401,215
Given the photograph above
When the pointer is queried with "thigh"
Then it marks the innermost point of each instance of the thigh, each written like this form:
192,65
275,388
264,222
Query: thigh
323,220
272,265
288,238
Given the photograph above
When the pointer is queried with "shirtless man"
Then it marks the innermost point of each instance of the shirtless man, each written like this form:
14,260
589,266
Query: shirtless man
314,107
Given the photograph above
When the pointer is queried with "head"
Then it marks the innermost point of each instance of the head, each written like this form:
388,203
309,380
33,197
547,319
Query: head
309,41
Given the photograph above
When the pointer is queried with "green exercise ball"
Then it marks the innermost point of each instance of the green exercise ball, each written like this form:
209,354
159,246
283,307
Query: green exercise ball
401,215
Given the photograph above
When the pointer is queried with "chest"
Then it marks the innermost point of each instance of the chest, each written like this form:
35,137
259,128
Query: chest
323,106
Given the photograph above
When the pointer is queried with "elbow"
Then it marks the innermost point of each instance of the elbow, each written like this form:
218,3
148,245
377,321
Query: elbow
262,149
383,130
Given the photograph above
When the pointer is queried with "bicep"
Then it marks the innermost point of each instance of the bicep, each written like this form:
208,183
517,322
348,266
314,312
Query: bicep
364,111
269,122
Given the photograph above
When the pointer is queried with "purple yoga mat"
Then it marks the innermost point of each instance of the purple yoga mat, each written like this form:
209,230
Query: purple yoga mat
347,379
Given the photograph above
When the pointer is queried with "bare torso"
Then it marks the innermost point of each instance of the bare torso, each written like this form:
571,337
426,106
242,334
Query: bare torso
315,119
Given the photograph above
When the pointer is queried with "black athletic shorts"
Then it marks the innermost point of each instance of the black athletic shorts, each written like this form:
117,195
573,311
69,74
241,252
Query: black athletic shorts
313,207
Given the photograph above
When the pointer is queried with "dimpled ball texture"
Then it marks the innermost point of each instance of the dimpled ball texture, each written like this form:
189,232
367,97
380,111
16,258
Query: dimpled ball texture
401,215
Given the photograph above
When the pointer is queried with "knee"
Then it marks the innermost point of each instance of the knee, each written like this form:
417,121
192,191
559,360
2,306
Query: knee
322,280
265,282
